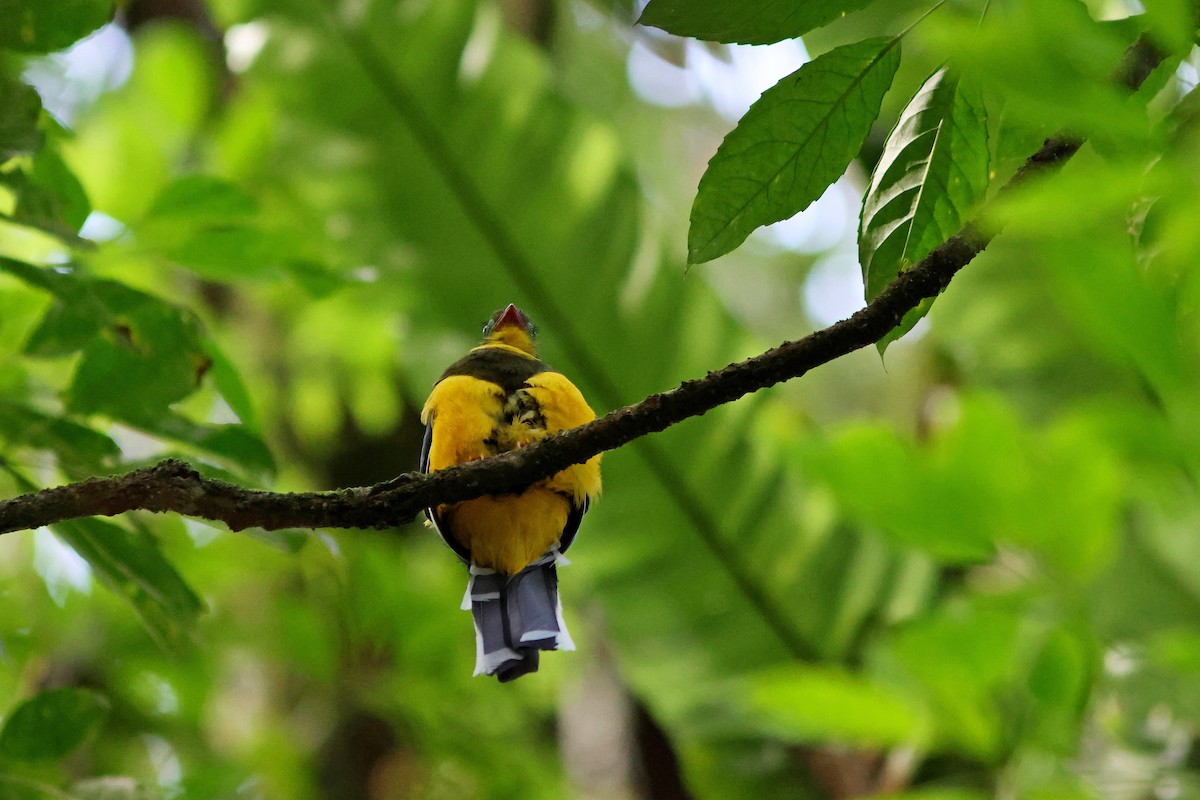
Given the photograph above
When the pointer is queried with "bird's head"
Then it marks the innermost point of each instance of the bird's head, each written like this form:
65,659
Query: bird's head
511,327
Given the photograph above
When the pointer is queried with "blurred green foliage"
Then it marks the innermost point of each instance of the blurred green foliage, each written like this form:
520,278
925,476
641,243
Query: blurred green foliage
261,233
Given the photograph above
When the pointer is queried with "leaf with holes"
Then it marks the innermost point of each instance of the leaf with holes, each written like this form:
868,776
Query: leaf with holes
795,140
931,176
750,22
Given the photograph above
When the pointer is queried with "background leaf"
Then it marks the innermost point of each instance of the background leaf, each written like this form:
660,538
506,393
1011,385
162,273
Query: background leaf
931,177
130,562
20,107
792,143
992,537
36,27
81,450
827,705
51,724
755,22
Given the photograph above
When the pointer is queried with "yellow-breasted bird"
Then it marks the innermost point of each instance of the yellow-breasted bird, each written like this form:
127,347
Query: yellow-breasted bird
499,397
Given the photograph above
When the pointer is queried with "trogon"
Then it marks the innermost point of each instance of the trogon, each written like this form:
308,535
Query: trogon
500,397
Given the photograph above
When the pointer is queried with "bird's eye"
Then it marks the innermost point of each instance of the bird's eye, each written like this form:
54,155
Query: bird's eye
533,330
488,327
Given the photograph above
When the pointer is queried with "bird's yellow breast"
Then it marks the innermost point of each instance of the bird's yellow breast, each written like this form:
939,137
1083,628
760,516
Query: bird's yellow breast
473,418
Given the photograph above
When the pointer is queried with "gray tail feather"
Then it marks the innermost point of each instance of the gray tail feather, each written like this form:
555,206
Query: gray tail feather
515,618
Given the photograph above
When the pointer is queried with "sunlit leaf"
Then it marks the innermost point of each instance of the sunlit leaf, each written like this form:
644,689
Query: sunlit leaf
208,225
157,346
125,156
1060,680
875,475
931,177
753,22
1170,20
957,658
939,794
227,253
33,26
231,386
827,705
1051,62
110,787
202,199
794,141
51,724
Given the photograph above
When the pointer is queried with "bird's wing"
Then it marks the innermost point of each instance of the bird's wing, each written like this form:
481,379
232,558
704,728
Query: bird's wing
572,527
460,416
425,442
431,513
562,407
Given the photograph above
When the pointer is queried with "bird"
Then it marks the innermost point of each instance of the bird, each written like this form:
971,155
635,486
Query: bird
499,397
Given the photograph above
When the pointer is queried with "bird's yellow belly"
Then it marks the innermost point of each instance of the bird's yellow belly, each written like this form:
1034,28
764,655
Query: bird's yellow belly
508,532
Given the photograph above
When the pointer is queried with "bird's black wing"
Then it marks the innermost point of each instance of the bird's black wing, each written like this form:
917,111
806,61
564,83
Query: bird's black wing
572,526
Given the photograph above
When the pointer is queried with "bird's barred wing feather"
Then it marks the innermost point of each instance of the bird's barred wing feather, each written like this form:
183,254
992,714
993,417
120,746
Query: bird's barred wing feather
563,407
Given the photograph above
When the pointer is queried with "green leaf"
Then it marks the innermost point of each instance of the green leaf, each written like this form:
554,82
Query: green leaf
131,563
750,22
1171,22
48,197
288,540
233,443
931,176
1060,680
110,787
876,476
231,386
20,108
151,345
80,449
940,794
122,332
72,206
37,26
957,659
203,199
811,704
228,253
52,724
206,224
794,141
315,278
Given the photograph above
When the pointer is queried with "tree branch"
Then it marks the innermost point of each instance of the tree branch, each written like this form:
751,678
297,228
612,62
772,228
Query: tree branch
172,486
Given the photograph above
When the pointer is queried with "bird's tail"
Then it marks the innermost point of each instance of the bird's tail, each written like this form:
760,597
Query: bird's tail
515,618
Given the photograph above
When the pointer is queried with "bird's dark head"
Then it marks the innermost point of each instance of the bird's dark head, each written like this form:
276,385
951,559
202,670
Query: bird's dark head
512,327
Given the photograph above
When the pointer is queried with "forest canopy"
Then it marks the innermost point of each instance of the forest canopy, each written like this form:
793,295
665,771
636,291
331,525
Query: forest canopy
947,549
